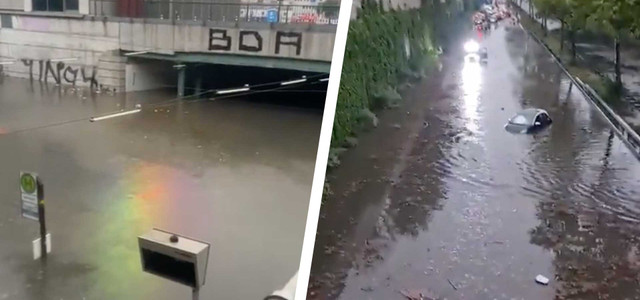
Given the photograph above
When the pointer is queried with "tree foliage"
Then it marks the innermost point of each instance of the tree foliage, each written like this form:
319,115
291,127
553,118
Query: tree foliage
614,18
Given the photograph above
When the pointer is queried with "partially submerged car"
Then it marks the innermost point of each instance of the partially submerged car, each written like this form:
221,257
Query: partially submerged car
528,121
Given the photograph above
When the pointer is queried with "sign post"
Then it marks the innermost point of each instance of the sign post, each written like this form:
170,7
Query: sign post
32,196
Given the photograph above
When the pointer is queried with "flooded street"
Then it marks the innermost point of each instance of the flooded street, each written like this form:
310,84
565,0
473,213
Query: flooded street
453,206
234,172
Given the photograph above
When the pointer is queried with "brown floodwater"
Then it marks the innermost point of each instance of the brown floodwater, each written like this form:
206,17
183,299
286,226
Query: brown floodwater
236,173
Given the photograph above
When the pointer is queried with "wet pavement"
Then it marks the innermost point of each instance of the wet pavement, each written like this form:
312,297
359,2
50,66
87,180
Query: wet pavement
452,206
234,172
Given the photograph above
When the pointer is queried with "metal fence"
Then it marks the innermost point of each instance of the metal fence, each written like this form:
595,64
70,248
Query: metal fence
178,10
628,135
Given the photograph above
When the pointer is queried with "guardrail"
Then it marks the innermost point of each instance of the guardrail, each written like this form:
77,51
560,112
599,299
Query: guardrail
178,10
628,135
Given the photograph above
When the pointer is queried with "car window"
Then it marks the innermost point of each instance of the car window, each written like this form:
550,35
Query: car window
519,119
539,119
545,117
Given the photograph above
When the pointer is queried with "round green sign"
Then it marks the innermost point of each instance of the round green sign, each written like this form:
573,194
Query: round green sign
28,183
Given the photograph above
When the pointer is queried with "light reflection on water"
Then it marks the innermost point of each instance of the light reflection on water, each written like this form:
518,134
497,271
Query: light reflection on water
471,86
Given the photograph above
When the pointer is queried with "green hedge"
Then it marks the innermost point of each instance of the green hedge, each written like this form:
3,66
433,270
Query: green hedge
375,62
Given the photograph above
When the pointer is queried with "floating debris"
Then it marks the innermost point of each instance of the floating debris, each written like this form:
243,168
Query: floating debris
367,289
418,294
452,285
542,280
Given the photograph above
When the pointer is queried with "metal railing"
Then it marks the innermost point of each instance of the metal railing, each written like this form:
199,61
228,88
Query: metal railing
179,10
628,135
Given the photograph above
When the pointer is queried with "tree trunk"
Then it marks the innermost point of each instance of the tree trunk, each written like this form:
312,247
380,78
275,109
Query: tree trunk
561,36
617,63
544,26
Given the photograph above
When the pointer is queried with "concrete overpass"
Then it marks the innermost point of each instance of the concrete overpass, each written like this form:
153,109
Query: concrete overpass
89,46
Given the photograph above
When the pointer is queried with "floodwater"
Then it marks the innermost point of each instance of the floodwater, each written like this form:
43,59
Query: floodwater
452,206
234,172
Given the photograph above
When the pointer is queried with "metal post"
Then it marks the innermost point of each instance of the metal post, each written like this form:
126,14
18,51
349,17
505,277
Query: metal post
171,9
198,84
286,16
279,11
196,294
181,79
41,219
570,86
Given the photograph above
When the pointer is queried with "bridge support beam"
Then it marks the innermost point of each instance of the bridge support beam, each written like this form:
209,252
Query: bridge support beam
182,77
198,85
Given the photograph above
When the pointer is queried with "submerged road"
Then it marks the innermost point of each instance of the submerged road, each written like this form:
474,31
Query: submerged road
232,172
453,206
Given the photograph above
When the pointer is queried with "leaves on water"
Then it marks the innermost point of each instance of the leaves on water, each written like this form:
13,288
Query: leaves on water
418,294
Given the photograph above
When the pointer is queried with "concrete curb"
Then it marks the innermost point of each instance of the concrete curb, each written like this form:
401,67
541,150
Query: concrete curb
621,127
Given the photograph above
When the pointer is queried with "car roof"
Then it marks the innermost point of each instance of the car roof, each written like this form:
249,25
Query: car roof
529,114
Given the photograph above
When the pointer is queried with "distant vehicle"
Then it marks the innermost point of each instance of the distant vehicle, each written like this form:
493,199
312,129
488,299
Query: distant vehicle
528,121
471,47
304,18
484,56
474,53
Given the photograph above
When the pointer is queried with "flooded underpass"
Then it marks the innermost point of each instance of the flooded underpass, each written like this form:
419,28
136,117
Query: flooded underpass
452,206
234,172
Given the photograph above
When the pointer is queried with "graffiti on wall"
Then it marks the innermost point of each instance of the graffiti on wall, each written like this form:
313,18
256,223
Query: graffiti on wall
252,41
60,72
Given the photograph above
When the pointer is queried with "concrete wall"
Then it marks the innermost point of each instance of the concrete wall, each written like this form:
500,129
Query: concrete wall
147,75
37,40
95,45
258,41
12,4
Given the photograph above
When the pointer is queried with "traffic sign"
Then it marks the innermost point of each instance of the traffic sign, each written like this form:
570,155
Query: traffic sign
29,195
272,16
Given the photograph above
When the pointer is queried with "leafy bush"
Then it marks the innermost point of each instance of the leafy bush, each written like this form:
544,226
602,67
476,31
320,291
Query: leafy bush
376,62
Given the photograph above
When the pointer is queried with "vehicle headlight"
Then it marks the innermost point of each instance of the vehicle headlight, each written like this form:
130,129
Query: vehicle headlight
471,46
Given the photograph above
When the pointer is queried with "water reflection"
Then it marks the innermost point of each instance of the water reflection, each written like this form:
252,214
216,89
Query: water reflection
471,86
212,170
